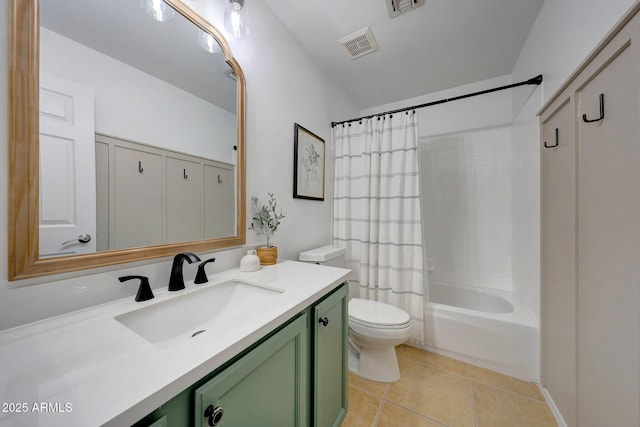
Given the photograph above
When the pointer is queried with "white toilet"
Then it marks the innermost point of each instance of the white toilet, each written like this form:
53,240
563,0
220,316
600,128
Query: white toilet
375,328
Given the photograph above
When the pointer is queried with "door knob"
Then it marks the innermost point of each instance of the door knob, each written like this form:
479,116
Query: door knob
324,321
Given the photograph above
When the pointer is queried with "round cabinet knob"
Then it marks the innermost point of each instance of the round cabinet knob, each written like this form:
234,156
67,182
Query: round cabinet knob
324,321
214,414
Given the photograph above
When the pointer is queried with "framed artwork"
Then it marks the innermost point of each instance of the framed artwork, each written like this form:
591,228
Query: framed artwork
308,164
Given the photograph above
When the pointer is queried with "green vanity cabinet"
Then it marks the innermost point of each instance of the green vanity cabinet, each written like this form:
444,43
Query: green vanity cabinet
296,376
329,352
266,388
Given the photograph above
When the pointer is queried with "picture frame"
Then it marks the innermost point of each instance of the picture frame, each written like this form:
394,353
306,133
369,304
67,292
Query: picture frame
308,164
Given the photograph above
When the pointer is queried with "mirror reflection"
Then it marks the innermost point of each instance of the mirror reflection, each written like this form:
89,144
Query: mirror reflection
138,128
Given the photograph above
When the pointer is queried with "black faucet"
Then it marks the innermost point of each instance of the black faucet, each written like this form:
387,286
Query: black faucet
176,281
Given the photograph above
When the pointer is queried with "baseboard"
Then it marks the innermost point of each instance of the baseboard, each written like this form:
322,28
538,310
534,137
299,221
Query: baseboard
552,406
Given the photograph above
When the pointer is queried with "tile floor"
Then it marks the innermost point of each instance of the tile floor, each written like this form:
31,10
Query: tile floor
437,391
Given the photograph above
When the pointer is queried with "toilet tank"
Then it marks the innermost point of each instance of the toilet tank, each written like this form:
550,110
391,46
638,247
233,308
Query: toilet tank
325,255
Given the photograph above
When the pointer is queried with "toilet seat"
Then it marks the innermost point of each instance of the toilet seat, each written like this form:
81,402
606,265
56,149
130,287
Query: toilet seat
377,315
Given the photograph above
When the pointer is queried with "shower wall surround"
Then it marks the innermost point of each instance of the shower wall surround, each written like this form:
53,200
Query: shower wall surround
466,204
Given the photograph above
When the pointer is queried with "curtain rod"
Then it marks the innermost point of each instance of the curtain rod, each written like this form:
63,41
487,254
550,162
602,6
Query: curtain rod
533,81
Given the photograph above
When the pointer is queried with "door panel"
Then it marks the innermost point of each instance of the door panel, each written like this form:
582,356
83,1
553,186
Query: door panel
609,244
558,240
67,167
266,388
330,360
137,199
184,200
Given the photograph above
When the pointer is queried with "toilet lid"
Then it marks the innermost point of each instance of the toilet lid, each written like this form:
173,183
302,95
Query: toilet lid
376,313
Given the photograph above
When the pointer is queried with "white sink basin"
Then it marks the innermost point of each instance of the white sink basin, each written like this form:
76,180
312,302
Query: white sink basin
189,314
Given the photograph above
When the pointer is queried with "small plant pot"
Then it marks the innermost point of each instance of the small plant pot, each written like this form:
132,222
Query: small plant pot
268,256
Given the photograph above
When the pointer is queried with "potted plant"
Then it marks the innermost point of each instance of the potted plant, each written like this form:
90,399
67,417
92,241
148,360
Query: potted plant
265,221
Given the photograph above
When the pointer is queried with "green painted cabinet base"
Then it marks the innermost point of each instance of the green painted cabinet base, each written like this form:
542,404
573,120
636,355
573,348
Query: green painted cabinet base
329,352
267,387
296,376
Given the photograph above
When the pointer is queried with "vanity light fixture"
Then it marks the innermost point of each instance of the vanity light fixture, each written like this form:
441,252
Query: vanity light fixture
236,20
158,10
207,42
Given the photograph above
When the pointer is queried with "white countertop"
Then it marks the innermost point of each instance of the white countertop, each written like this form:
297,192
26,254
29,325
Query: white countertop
85,368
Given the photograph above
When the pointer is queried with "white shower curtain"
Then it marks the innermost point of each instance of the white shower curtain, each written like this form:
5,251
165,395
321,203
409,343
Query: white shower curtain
376,211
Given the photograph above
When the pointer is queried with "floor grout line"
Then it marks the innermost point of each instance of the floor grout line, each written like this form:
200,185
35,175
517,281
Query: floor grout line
391,402
423,363
496,387
378,412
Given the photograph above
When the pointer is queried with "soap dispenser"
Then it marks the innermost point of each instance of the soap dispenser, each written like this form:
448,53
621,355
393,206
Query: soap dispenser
250,262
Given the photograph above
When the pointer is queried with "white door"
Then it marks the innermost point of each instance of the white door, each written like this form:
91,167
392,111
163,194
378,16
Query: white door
67,168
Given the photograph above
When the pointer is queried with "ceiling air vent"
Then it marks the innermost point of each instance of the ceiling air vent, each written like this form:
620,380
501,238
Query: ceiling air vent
359,43
399,7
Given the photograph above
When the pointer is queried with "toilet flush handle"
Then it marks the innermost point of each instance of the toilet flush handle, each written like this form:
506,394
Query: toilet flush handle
324,321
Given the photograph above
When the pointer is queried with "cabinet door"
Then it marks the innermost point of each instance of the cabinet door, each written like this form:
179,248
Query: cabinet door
330,360
266,388
220,202
137,199
184,200
558,261
609,239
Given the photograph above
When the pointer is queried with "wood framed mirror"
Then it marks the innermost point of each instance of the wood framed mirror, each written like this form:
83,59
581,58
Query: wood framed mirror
31,156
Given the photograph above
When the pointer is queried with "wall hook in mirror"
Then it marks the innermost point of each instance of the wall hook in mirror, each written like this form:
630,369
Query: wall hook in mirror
140,169
219,179
552,146
184,174
584,116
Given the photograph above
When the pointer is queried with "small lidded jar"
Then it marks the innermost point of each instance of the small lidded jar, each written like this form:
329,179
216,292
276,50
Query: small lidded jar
250,262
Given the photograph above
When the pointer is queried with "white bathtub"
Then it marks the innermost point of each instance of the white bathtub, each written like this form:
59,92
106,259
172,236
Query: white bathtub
487,328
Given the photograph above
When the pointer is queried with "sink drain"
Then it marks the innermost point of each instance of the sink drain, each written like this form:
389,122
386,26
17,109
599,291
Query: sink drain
198,332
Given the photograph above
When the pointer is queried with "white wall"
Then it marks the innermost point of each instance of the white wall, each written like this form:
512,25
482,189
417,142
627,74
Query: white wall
564,33
134,105
283,86
493,109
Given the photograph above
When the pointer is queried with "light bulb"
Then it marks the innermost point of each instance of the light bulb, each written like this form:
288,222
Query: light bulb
208,42
236,18
157,9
